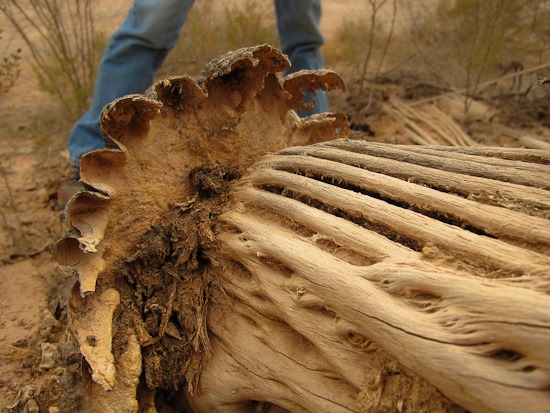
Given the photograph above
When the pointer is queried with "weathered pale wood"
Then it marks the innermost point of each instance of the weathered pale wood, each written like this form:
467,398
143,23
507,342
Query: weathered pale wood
466,312
513,166
466,246
443,345
533,201
524,138
519,173
518,154
428,124
295,377
338,230
494,220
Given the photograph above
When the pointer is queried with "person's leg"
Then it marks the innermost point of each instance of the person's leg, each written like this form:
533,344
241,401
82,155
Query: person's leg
135,52
298,25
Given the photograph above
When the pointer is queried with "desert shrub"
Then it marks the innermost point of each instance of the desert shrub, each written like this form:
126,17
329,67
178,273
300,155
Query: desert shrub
467,42
363,42
348,46
198,41
207,34
10,69
251,23
66,50
477,38
460,44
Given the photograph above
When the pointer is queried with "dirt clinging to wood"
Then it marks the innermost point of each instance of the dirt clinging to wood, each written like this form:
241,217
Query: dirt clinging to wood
166,286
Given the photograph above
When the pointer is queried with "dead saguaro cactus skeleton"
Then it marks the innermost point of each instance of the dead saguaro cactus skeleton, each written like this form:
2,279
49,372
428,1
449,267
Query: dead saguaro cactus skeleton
225,260
171,152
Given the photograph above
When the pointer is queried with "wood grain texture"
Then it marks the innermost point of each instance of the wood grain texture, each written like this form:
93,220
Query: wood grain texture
328,256
238,276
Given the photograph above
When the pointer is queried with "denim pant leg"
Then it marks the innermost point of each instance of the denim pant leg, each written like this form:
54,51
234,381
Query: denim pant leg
298,25
134,53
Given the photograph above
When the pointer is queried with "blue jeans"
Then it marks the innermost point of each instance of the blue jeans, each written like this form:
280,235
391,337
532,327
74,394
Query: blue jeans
140,45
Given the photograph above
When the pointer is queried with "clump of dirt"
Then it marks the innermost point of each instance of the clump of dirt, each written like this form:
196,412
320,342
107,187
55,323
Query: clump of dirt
166,287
